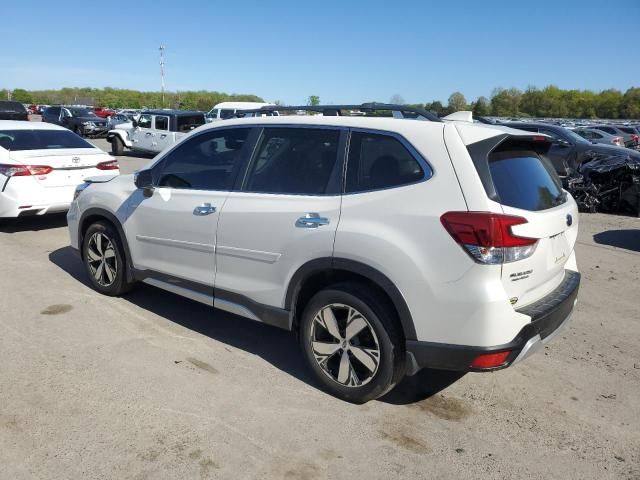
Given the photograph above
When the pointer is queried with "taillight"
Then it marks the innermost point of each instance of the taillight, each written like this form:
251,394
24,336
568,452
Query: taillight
617,141
109,165
487,237
635,137
24,170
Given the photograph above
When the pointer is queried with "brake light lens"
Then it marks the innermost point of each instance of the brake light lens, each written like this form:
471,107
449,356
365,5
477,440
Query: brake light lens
24,170
635,137
109,165
617,141
490,360
487,237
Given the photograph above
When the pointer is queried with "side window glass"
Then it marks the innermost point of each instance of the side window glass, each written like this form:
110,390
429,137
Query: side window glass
380,161
206,162
162,123
294,161
144,121
225,114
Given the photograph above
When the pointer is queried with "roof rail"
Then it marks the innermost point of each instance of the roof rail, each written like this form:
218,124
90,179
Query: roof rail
398,111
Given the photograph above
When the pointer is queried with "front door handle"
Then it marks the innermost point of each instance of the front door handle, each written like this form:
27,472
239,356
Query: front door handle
204,209
148,134
312,220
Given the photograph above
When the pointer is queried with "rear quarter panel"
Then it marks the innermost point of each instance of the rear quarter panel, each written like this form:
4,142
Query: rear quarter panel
398,232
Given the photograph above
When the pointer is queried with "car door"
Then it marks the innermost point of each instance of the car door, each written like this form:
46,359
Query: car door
161,135
172,233
284,215
141,135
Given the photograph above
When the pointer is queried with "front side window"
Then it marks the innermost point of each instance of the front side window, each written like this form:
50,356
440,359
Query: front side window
296,161
162,123
380,161
208,161
144,121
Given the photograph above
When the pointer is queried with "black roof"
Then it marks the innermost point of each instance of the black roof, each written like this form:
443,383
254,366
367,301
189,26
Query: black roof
176,113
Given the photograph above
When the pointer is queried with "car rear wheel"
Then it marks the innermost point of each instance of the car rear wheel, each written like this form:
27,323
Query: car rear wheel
104,259
117,147
352,343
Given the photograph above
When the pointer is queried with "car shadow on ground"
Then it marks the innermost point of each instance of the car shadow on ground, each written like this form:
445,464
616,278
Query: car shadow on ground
33,224
277,347
627,239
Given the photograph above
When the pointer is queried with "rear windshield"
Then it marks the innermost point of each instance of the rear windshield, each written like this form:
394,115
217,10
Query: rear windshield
16,140
523,180
12,107
628,129
187,123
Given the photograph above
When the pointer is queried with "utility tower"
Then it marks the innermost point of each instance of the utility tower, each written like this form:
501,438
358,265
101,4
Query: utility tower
162,72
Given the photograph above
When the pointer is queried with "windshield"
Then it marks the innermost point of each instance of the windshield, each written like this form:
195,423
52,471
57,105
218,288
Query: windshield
81,112
17,140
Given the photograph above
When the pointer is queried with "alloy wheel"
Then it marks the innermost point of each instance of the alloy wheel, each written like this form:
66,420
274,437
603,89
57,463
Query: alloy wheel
344,345
101,258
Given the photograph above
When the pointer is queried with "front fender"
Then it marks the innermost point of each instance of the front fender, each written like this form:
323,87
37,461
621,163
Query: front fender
122,134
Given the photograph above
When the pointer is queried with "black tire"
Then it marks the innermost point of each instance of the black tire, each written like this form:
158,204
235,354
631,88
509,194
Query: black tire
380,319
78,131
117,147
112,278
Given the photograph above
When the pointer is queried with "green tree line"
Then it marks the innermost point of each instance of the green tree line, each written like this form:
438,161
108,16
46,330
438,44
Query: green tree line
124,98
550,101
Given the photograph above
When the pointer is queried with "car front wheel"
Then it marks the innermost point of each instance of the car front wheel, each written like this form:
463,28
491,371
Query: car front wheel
352,343
117,147
104,259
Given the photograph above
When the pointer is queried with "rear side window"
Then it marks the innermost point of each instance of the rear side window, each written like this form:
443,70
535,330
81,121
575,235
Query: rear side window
523,180
380,161
297,161
17,140
162,123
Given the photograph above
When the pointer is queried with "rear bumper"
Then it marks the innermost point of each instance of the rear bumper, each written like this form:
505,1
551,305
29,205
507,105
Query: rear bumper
549,316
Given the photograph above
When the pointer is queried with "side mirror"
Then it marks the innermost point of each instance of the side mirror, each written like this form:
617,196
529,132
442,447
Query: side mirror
144,180
134,122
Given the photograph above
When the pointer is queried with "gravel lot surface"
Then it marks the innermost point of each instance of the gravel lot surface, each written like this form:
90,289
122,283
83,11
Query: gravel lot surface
153,385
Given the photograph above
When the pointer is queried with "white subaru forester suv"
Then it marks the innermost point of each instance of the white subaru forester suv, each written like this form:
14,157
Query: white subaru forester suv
386,245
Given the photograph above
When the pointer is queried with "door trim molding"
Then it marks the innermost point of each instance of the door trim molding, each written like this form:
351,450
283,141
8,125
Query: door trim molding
169,242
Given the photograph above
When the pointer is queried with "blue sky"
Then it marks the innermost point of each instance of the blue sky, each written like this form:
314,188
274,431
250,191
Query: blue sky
344,51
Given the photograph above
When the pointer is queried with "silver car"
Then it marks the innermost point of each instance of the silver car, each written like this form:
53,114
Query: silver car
629,139
598,136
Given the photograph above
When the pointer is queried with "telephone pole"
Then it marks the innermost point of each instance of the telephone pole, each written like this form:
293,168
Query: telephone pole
162,72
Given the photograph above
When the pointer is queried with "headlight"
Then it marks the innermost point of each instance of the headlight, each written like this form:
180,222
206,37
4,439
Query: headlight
88,124
79,189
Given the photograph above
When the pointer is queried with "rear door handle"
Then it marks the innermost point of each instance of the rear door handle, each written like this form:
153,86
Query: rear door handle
164,135
311,220
147,134
204,209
